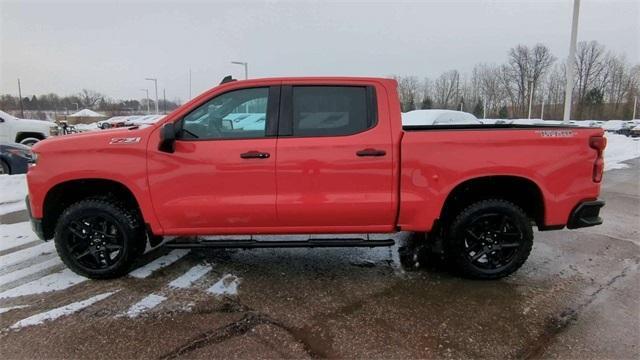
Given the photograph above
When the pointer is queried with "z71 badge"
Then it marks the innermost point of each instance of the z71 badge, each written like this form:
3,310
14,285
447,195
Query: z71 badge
124,140
556,133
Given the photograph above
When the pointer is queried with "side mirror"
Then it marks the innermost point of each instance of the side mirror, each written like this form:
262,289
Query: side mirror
167,138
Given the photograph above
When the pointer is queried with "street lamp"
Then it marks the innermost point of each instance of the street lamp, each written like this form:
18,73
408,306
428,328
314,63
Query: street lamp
155,82
147,98
530,81
246,68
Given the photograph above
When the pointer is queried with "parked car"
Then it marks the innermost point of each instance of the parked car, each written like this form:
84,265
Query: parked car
14,158
635,132
124,121
24,131
438,117
330,156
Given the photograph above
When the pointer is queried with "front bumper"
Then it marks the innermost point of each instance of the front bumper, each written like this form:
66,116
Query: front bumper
36,224
586,214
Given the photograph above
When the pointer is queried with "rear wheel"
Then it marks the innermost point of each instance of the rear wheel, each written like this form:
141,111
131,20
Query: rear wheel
30,141
99,239
490,239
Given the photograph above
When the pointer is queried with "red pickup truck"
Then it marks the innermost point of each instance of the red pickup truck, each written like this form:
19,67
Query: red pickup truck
311,155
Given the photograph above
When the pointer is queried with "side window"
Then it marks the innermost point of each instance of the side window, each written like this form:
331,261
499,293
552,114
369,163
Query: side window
330,110
235,114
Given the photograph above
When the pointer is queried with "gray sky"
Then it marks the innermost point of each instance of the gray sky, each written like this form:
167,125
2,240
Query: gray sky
112,46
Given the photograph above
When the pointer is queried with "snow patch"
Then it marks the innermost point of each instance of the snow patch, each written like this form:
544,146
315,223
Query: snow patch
54,282
5,309
14,188
69,309
33,269
191,276
13,235
159,263
145,304
25,254
228,285
620,148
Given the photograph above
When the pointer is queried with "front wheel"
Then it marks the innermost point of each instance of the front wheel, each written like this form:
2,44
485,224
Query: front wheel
99,239
490,239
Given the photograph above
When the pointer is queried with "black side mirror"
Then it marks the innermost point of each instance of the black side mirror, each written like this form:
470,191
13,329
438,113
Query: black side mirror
167,138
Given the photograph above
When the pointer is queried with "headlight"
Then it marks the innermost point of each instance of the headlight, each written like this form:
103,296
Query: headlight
33,158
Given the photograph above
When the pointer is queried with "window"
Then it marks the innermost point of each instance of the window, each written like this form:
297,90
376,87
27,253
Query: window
331,110
235,114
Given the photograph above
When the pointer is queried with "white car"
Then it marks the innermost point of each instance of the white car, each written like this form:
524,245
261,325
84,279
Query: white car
24,131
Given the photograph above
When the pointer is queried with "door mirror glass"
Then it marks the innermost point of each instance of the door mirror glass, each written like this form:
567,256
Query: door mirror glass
167,138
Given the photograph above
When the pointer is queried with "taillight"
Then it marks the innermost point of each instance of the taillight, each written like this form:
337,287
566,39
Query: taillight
598,143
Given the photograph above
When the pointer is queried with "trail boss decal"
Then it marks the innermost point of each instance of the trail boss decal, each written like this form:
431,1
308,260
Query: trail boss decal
124,140
556,133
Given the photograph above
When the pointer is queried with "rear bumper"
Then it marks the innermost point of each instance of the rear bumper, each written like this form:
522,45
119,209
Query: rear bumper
36,224
586,214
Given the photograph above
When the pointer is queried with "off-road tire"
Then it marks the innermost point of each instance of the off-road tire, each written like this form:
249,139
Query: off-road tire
474,216
129,226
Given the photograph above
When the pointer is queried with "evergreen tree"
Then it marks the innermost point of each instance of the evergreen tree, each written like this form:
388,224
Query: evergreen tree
478,109
427,103
503,113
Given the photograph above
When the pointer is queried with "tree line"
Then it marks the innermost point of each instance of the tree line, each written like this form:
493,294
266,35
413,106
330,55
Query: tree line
604,88
85,99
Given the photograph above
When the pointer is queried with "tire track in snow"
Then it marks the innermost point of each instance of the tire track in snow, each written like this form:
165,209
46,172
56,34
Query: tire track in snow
53,314
20,256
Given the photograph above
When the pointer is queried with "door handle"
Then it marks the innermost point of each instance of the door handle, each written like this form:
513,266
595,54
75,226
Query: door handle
255,155
371,152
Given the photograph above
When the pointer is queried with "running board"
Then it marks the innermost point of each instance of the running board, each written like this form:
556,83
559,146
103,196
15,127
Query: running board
251,244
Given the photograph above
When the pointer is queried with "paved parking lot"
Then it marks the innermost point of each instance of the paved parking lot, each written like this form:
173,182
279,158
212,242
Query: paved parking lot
576,297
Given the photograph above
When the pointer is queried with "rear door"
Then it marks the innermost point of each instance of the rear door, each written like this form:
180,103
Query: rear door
334,159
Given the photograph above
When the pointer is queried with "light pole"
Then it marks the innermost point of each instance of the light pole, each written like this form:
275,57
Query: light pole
635,104
246,68
568,91
147,98
155,82
530,82
20,95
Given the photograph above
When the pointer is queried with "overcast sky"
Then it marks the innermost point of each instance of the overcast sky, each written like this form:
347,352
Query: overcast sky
112,46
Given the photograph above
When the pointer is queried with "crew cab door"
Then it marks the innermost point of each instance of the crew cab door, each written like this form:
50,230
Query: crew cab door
334,159
221,176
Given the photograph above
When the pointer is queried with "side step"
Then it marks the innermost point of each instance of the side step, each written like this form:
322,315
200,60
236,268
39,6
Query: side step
251,244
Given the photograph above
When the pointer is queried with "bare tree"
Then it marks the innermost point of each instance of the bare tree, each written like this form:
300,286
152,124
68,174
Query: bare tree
89,98
446,89
591,71
525,69
408,91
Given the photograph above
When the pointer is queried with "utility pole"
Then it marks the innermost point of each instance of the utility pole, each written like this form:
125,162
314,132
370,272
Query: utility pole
147,92
542,110
164,100
530,97
635,103
189,83
246,68
155,82
568,91
20,95
484,109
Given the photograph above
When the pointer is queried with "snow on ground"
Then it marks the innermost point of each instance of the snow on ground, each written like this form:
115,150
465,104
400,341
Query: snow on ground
29,253
29,270
54,282
148,303
191,276
620,148
13,189
163,261
61,311
228,285
14,235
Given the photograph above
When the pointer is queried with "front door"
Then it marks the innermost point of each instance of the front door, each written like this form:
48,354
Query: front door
221,177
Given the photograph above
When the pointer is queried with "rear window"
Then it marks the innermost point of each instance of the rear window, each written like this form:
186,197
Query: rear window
330,110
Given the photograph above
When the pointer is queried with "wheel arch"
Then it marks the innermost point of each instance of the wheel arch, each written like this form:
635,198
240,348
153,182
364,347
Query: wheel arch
62,195
520,190
29,134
